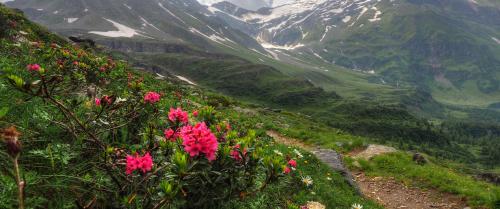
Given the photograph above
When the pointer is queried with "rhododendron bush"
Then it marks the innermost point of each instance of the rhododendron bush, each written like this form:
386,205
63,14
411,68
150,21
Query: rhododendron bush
133,144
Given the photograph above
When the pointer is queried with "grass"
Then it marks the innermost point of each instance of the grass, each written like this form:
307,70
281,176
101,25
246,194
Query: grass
401,166
34,115
329,188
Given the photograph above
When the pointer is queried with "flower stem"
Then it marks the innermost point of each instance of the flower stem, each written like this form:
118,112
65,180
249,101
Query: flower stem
20,183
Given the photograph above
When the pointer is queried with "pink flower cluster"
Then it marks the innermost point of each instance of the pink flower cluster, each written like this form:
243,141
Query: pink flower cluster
177,115
292,163
106,99
235,153
199,139
144,163
171,135
33,67
151,97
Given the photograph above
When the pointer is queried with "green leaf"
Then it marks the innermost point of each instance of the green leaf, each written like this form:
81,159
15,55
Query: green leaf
16,80
3,111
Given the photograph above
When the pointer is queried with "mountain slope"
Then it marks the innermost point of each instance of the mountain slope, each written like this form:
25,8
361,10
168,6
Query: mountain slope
449,48
159,20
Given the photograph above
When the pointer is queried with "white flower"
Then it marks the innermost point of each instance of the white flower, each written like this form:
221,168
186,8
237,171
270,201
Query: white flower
328,178
307,180
299,155
356,206
119,99
278,153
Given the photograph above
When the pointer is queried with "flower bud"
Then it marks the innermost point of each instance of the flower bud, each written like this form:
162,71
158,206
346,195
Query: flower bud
10,136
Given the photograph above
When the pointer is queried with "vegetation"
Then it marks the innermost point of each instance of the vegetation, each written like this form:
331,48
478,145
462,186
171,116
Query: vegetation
80,129
431,175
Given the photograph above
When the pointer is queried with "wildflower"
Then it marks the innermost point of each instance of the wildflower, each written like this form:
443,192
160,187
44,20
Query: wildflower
228,126
278,152
299,155
119,99
307,180
144,163
177,115
75,63
33,67
11,138
151,97
97,102
107,99
195,113
292,163
199,139
356,206
304,207
286,170
328,178
235,153
170,134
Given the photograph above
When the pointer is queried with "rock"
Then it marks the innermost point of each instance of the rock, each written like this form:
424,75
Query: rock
419,159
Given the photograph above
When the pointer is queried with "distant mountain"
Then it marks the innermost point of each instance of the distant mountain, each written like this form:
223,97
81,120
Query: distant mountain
253,5
450,48
170,21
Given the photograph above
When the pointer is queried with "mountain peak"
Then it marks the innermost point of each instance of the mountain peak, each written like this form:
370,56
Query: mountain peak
253,5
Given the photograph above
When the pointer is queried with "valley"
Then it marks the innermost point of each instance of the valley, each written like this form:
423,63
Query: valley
421,76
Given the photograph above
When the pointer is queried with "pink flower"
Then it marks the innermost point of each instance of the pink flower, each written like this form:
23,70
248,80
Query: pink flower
292,163
107,99
199,139
33,67
97,102
151,97
235,154
177,115
287,170
144,163
195,113
170,134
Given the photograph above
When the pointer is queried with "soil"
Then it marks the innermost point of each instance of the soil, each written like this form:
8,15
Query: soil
388,192
395,195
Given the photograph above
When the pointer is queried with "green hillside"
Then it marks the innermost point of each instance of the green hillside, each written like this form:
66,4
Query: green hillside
79,115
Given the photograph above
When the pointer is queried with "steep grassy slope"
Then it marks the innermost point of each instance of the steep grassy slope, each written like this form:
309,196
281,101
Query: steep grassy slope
62,167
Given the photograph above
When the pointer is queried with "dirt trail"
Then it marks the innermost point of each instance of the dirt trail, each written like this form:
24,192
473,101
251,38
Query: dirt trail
386,191
395,195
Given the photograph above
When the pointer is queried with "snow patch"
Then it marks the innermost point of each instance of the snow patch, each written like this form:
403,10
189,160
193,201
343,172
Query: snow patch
145,22
496,40
325,33
123,31
71,19
128,7
185,80
171,13
346,19
376,16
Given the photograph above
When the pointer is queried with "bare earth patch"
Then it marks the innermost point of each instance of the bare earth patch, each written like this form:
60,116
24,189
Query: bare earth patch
394,195
386,191
372,151
289,141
